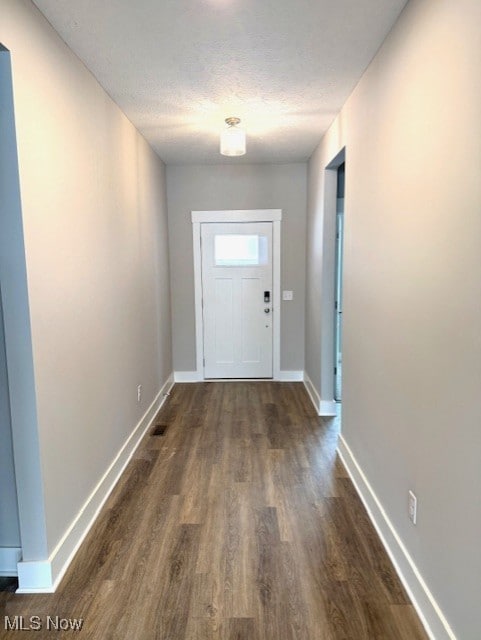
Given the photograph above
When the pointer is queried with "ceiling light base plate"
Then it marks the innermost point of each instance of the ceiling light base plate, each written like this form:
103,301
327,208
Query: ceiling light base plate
232,122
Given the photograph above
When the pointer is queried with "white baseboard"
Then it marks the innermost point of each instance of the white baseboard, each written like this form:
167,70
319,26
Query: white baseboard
9,557
325,408
188,376
36,577
291,376
44,576
328,408
312,392
435,623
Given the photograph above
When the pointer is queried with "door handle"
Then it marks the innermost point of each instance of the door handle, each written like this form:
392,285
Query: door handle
267,310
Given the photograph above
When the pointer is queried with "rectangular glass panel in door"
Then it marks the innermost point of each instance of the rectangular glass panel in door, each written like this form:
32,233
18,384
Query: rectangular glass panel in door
240,250
237,299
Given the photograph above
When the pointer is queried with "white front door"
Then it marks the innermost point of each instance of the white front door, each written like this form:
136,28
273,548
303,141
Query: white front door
237,299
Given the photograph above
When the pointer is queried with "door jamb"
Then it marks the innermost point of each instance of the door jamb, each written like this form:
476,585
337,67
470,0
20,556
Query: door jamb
328,280
239,215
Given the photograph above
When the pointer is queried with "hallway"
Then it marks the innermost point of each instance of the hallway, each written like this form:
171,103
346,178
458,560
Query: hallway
239,522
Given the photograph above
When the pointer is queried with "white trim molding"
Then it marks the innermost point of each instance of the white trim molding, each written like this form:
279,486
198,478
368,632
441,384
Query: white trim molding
44,576
199,320
187,376
324,408
9,557
276,303
312,392
291,376
238,215
433,619
328,408
36,576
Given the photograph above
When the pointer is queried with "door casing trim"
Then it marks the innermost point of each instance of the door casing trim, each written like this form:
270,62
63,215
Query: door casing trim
239,215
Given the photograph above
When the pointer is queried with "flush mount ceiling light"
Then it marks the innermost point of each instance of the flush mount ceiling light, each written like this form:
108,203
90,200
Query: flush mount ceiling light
233,139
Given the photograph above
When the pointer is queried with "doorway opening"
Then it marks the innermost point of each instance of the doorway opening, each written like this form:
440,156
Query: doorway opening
332,285
22,515
341,174
236,299
237,293
10,541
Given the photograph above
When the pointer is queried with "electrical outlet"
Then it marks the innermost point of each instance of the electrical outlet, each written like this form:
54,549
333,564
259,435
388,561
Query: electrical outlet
413,507
139,393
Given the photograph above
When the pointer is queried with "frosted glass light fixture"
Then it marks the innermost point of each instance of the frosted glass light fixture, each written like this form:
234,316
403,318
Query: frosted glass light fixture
233,139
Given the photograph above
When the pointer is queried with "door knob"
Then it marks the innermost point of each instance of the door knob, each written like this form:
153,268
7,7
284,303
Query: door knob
267,310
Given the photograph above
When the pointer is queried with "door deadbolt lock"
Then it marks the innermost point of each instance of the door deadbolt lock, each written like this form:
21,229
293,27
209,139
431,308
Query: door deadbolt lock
267,296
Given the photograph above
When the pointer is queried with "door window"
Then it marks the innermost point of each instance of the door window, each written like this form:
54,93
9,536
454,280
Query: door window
240,250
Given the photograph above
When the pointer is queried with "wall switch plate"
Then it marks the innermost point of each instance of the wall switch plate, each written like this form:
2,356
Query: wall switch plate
139,393
413,507
288,295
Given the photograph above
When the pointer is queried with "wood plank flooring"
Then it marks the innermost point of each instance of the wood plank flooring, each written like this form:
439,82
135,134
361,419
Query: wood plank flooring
239,523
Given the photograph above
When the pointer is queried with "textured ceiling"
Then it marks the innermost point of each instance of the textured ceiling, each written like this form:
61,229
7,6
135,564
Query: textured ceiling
177,68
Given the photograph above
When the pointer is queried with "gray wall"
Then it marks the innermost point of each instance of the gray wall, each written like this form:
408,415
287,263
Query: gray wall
218,187
94,218
9,528
412,290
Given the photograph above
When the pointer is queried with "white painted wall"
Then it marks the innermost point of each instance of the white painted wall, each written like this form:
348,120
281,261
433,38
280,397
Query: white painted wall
219,187
412,294
95,226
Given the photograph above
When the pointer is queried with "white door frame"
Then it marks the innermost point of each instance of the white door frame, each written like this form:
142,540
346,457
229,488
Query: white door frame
246,215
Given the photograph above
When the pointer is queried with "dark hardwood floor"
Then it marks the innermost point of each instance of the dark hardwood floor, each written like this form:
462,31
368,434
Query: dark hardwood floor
239,523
